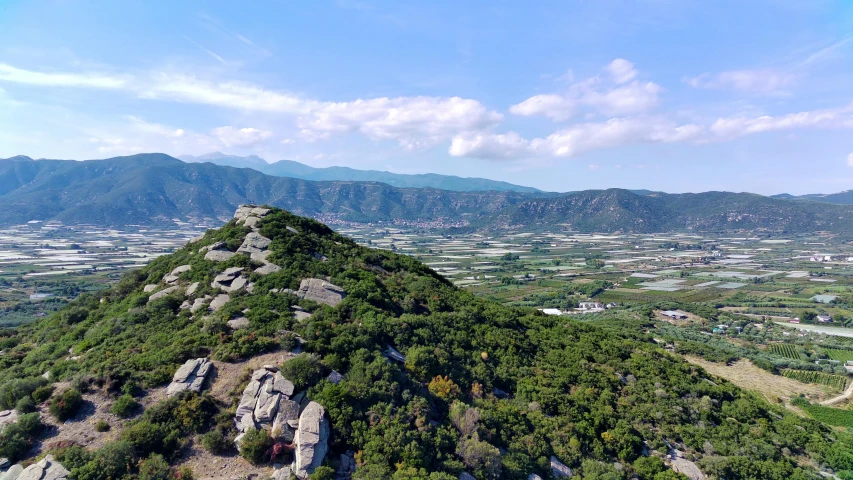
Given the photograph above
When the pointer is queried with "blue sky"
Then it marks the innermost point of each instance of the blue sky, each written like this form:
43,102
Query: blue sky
673,95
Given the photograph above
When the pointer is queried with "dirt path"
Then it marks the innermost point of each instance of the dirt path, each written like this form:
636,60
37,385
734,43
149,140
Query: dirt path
844,396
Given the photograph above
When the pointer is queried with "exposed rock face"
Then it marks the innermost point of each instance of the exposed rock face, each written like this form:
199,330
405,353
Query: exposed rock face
238,323
320,291
267,269
7,417
559,469
175,274
335,377
46,469
190,376
260,401
13,473
219,302
199,303
254,242
192,288
346,466
533,476
250,215
230,280
162,293
218,252
311,439
466,476
149,288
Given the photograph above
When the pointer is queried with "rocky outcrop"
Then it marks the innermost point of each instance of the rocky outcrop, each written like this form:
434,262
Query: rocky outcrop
320,291
199,302
162,293
238,323
311,440
250,215
346,466
533,476
190,376
173,276
466,476
217,252
7,417
219,302
254,243
559,469
46,469
230,280
267,269
266,402
150,287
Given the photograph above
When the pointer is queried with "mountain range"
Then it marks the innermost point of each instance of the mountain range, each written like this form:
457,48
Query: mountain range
289,168
158,189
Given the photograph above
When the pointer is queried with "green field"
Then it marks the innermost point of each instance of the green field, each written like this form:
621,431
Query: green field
831,416
834,381
839,354
784,350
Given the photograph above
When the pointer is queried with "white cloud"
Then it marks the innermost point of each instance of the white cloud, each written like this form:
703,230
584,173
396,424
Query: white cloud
9,73
619,94
757,81
850,160
240,137
411,121
593,166
575,140
555,107
732,127
621,70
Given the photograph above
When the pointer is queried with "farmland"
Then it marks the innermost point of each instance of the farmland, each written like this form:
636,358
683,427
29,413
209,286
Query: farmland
835,381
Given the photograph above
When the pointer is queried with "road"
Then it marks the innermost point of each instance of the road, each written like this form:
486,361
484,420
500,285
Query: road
837,331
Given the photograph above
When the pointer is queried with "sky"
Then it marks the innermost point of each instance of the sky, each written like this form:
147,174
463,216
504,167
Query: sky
671,95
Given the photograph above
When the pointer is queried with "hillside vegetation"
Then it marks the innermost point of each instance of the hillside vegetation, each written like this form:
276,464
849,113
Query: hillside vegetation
490,390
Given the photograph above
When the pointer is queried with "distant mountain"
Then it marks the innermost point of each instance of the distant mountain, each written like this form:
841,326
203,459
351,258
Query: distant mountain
157,189
617,210
289,168
840,198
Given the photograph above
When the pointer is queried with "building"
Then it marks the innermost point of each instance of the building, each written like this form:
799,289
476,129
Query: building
551,311
590,306
824,318
675,315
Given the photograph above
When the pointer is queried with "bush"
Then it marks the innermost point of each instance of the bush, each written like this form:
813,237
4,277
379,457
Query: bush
154,467
102,426
14,390
16,439
66,405
147,438
125,406
25,405
41,394
303,370
255,446
215,442
322,473
113,460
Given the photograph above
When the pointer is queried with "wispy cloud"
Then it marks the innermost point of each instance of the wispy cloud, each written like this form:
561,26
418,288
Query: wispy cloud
12,74
209,52
827,52
765,81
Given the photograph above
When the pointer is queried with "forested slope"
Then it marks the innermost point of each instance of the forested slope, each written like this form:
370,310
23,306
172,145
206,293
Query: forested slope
485,389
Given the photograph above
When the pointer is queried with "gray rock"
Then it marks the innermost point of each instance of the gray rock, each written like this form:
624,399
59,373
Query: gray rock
335,377
181,269
559,469
219,302
238,323
267,405
288,411
320,291
282,473
267,269
13,473
254,242
190,376
7,417
301,315
346,466
149,288
466,476
247,423
533,476
251,222
228,275
282,385
162,293
260,256
218,255
199,303
237,441
250,287
46,469
192,288
5,463
237,284
291,229
185,305
311,439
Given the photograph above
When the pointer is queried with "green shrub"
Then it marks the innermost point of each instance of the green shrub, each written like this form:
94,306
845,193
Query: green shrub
147,438
102,426
215,442
16,439
66,404
114,460
41,394
16,389
255,446
125,406
154,467
303,370
25,405
322,473
648,467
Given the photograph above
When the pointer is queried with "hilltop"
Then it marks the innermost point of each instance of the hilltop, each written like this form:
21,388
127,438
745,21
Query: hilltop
290,168
401,375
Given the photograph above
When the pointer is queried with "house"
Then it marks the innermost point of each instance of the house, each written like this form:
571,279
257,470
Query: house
590,306
794,320
824,318
674,314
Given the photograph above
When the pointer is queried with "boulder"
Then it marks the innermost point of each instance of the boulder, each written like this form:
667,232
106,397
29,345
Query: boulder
13,473
260,256
162,293
254,242
238,323
7,417
282,473
244,212
559,469
533,476
267,404
288,411
237,284
199,303
282,385
149,288
320,291
5,463
300,315
46,469
192,288
346,466
214,246
190,376
466,476
219,302
335,377
291,229
312,437
218,255
252,222
267,269
228,275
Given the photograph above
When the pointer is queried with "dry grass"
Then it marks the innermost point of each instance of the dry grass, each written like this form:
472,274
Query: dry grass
749,377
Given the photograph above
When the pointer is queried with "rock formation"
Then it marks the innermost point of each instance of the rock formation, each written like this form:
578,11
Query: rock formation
190,376
162,293
320,291
311,440
46,469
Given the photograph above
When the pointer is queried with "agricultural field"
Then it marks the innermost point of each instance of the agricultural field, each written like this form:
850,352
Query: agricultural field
835,381
839,354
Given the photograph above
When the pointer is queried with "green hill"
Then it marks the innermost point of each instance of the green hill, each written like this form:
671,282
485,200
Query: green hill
432,382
